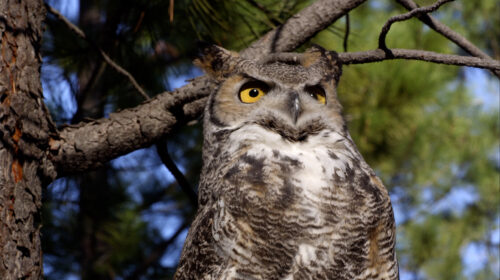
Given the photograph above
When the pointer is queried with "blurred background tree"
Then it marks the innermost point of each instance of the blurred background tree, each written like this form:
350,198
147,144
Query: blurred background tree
430,131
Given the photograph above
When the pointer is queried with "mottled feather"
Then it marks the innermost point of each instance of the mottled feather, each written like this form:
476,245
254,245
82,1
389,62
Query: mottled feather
284,192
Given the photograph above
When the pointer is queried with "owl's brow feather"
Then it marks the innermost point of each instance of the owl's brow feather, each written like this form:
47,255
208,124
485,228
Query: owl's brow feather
253,78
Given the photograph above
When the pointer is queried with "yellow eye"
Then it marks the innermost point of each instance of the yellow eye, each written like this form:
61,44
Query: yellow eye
321,98
252,91
317,92
251,95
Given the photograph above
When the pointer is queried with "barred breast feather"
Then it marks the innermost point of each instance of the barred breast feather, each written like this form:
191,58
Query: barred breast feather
307,210
284,192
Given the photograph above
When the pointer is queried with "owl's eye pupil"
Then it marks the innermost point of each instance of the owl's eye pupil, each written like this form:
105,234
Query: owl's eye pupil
316,92
254,92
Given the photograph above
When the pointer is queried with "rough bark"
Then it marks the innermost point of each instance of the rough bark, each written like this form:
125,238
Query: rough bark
89,145
24,131
300,27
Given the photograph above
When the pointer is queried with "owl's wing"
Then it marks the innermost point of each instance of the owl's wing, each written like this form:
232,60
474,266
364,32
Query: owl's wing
199,259
383,262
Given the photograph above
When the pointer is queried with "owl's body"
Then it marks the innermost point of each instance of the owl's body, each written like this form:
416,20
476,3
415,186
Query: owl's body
284,193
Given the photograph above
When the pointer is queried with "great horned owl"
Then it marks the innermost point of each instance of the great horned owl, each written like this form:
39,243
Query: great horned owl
284,192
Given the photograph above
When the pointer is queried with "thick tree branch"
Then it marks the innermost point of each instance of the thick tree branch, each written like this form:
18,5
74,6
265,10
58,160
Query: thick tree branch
410,14
89,145
300,27
161,145
447,32
380,55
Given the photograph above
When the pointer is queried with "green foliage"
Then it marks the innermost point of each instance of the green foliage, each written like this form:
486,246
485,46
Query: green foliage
236,24
417,124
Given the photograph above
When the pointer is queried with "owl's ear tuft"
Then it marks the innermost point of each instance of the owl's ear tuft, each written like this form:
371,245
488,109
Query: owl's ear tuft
215,61
313,55
329,60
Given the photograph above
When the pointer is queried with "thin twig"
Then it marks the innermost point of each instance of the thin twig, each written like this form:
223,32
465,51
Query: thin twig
380,55
412,13
124,72
447,32
171,10
68,23
347,30
108,60
161,147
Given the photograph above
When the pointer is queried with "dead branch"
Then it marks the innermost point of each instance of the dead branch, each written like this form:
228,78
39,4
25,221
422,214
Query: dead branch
380,55
447,32
403,17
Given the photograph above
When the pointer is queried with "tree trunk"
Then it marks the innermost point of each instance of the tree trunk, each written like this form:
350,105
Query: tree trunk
25,127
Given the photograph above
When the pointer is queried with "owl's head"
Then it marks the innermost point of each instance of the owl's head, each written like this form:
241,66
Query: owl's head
291,94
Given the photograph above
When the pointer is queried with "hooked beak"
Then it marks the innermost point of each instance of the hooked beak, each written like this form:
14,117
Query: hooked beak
294,106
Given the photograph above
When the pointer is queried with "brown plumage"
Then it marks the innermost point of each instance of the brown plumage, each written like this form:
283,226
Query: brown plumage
284,192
